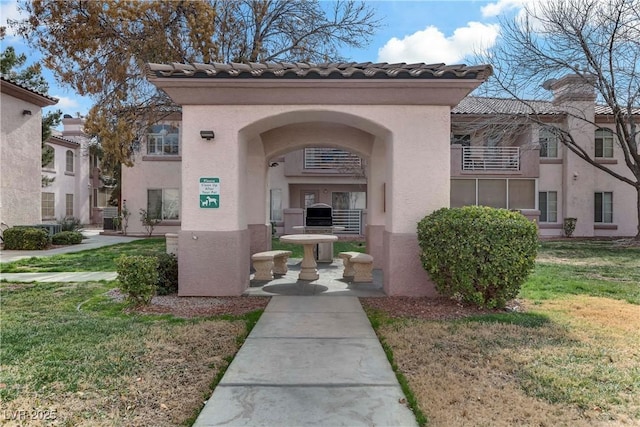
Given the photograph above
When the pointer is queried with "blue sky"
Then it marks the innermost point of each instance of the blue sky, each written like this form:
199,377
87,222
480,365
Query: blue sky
427,31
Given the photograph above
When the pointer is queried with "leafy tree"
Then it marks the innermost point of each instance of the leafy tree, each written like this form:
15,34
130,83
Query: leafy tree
100,48
599,42
12,66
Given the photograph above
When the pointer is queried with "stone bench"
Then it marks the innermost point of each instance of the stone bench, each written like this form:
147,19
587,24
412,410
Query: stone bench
267,263
358,266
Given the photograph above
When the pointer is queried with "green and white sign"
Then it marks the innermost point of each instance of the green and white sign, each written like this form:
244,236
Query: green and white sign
209,193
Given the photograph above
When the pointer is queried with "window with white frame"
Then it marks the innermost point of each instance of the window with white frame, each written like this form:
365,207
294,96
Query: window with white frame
48,205
548,205
164,140
548,139
69,161
163,203
497,193
604,143
276,204
603,207
68,205
101,197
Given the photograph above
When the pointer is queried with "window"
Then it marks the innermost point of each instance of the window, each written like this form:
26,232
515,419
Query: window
101,197
548,204
68,205
163,140
49,156
276,204
497,193
48,205
164,203
309,198
604,143
345,200
548,139
69,159
603,210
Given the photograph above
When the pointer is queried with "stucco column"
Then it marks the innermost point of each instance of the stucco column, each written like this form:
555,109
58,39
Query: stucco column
213,241
419,183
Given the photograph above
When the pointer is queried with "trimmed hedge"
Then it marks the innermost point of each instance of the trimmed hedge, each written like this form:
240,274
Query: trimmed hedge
167,274
477,254
138,276
67,238
25,238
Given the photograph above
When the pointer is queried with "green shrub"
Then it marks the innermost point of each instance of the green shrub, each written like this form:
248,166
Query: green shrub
167,274
67,238
138,276
70,224
476,254
25,238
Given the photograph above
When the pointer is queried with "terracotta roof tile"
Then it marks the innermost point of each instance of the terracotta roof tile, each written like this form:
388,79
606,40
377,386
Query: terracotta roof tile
301,70
13,82
482,105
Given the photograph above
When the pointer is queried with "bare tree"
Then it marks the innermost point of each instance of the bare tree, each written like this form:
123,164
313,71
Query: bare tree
598,43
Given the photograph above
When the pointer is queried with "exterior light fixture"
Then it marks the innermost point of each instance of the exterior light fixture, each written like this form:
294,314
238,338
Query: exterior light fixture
26,112
207,134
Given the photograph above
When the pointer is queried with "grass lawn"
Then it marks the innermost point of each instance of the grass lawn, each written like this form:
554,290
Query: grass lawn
100,259
572,358
69,349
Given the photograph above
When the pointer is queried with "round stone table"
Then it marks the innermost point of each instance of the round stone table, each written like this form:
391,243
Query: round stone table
308,268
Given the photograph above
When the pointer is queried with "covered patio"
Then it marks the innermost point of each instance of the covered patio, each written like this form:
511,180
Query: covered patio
397,116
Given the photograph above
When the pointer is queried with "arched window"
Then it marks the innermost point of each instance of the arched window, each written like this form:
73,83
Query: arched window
69,158
604,143
48,157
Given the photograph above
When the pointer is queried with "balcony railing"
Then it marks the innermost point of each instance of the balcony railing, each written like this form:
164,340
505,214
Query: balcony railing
490,158
350,219
330,158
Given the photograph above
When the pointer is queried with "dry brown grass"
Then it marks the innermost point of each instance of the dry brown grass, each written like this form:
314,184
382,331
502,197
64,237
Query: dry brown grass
171,380
578,369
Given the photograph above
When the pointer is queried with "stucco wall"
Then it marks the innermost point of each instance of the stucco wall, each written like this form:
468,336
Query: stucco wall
20,157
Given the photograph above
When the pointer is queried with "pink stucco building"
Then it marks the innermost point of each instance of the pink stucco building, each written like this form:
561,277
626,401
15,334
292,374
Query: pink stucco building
383,144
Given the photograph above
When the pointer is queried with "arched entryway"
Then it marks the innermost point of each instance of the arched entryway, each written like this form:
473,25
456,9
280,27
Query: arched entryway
398,116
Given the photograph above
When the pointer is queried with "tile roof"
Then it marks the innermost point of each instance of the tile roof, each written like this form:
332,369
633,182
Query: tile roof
305,70
35,92
482,105
606,110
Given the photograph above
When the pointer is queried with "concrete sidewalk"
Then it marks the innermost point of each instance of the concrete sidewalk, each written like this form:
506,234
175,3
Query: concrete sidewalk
309,362
85,276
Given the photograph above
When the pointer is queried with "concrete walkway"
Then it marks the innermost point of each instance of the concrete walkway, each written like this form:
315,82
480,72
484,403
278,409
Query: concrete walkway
85,276
309,362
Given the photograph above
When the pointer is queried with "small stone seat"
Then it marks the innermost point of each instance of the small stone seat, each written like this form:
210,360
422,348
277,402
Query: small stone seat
269,262
358,266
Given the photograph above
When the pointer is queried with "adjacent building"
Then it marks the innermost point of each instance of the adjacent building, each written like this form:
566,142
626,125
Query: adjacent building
21,153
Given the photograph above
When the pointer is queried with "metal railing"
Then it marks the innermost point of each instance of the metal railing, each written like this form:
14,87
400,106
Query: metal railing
491,158
330,158
350,219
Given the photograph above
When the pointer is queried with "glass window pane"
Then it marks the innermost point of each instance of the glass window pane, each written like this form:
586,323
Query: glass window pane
276,204
154,203
552,206
171,204
522,194
69,161
492,192
69,205
607,207
463,192
542,204
597,211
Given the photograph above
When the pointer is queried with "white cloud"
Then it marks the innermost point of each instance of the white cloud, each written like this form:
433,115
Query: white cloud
65,103
9,10
432,46
501,6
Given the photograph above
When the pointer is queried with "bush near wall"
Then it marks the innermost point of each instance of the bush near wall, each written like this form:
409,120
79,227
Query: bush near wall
138,276
477,254
167,274
25,238
67,238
